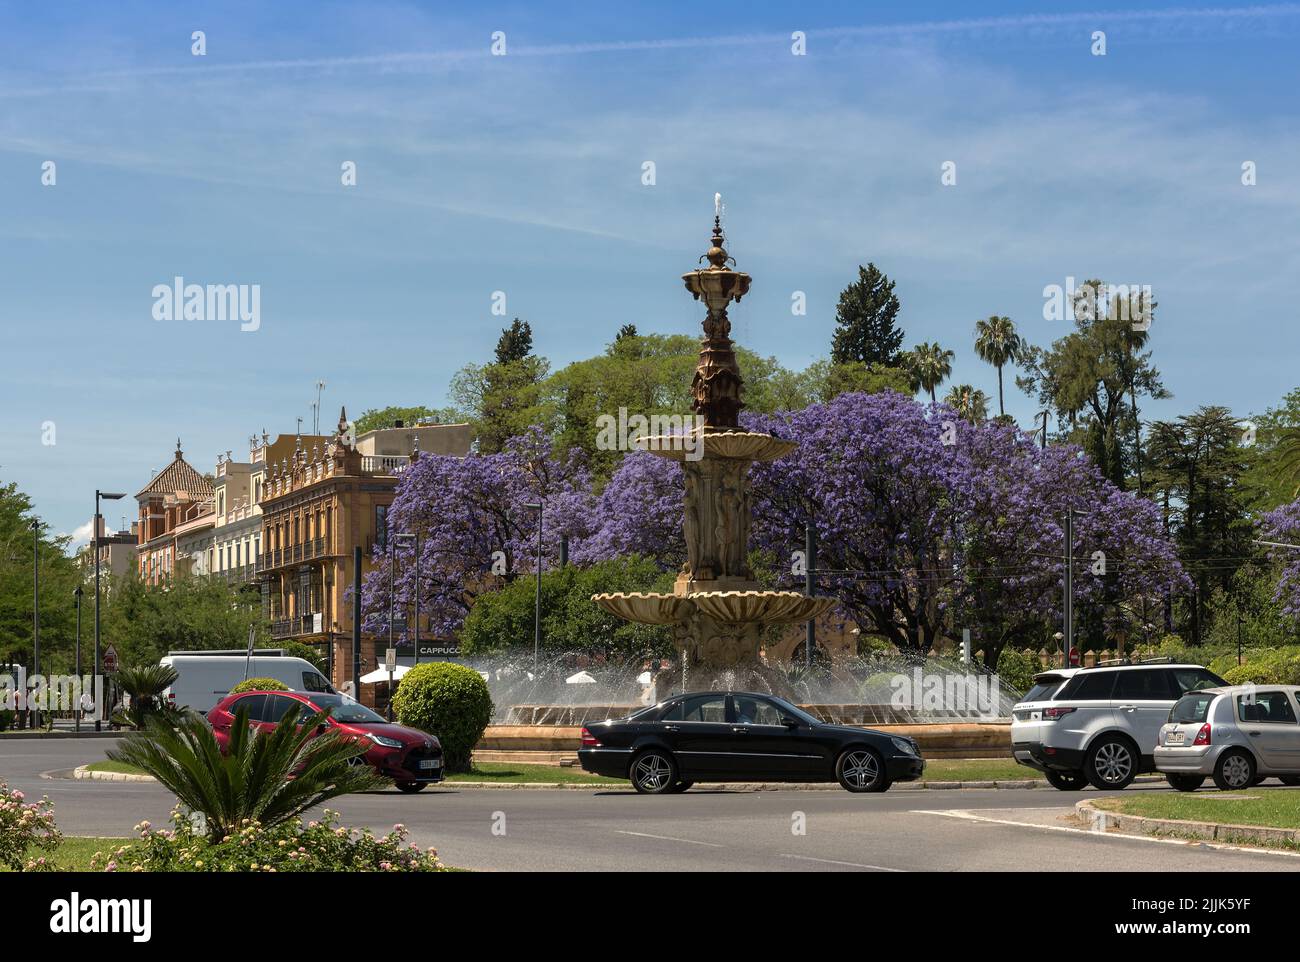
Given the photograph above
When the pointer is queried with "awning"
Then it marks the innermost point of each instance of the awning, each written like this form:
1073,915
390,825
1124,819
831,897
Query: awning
381,674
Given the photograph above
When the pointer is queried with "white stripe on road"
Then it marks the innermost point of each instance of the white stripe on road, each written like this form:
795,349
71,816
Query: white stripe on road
831,861
1184,842
669,838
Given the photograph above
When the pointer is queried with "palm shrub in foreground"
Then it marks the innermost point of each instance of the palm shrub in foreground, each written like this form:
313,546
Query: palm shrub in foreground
264,777
145,684
449,701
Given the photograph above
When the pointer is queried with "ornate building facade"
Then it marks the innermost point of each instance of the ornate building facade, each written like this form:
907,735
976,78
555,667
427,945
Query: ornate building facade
177,500
319,502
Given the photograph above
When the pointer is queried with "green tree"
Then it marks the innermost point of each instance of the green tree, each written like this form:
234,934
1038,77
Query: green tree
824,381
929,365
386,417
145,621
1092,378
502,621
970,403
865,321
1197,464
515,342
997,343
59,575
1273,478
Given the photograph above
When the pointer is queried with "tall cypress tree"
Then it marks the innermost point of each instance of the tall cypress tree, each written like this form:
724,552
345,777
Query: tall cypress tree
865,321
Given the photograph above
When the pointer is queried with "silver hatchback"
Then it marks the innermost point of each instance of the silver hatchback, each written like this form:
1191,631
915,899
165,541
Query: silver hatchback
1237,735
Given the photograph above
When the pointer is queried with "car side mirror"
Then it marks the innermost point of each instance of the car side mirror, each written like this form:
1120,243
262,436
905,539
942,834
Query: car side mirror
322,728
789,722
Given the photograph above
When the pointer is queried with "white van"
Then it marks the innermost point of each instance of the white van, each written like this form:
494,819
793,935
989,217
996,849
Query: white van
206,677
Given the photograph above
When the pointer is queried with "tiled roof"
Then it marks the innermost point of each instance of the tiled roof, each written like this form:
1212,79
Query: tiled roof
180,479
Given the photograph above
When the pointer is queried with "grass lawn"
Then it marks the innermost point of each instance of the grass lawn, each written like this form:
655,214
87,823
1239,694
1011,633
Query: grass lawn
515,772
976,770
110,766
76,851
1270,807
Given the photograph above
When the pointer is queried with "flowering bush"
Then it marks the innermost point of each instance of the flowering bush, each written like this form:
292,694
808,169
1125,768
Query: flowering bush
24,826
317,846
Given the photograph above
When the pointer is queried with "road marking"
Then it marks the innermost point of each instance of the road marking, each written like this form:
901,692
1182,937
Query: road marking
1184,842
831,861
670,838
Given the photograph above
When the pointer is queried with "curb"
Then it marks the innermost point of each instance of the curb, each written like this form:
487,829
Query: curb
82,772
1102,821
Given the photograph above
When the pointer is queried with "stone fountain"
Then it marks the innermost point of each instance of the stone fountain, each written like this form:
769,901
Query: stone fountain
717,610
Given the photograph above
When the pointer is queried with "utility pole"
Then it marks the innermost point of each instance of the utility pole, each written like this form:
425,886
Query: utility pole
356,623
1068,641
809,587
76,714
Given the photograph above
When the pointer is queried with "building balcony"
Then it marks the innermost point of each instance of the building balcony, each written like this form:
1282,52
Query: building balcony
309,624
384,465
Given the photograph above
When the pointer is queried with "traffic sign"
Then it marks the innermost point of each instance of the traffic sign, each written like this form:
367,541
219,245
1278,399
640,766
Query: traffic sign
109,660
390,660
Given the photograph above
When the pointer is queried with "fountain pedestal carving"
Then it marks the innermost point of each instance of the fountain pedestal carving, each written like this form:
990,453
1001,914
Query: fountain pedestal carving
717,609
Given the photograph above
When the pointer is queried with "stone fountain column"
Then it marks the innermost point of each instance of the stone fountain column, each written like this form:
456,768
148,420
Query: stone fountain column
717,610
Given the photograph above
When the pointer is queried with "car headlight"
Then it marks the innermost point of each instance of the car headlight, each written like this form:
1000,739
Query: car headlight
903,745
386,742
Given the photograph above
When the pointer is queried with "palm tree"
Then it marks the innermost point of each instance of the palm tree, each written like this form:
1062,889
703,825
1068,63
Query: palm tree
145,685
997,343
929,366
269,777
970,403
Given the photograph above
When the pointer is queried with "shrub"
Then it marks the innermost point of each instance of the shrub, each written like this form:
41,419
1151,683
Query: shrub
145,685
1016,669
1271,667
449,701
25,826
7,716
308,653
291,846
259,684
250,781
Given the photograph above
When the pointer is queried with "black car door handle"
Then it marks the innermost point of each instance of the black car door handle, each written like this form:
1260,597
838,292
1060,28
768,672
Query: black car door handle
740,731
671,728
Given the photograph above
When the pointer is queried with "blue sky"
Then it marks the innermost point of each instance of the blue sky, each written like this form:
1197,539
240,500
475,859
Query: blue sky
522,173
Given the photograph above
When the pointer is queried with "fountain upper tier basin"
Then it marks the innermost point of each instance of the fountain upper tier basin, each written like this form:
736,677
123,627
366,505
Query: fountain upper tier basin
733,445
729,607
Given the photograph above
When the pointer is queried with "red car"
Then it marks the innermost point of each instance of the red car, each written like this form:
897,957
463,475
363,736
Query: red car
410,757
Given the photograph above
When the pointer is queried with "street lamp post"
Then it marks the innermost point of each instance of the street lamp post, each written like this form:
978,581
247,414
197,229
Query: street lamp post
537,601
76,714
36,610
413,539
94,540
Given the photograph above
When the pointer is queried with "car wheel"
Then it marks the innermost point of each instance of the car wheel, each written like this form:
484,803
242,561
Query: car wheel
680,787
1235,770
1111,764
654,772
1291,780
411,787
1185,783
1067,781
861,770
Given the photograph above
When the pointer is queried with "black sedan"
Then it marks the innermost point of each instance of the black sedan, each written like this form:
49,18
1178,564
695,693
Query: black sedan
735,736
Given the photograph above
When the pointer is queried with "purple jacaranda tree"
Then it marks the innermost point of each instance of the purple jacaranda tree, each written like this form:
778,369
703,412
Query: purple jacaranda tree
639,512
1282,525
475,529
927,523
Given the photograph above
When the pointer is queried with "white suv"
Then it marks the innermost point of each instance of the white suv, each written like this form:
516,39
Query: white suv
1099,725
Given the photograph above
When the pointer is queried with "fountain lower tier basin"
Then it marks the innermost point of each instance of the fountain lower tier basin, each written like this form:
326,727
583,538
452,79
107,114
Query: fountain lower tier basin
726,607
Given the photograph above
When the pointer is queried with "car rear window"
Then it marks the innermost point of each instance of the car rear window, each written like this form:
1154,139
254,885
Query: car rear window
1042,690
1191,708
1194,679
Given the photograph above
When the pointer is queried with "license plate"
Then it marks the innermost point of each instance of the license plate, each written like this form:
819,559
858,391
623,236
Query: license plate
1175,738
430,762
